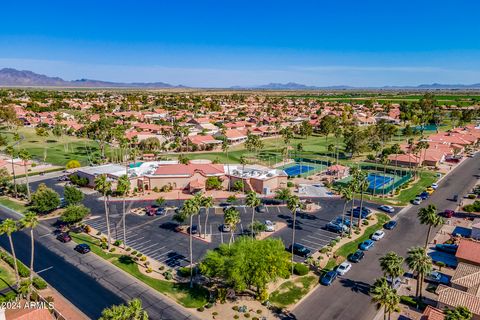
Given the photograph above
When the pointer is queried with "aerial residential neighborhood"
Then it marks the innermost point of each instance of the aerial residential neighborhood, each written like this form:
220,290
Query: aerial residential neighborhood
209,160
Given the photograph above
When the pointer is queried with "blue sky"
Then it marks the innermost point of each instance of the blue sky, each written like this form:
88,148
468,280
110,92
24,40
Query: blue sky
222,43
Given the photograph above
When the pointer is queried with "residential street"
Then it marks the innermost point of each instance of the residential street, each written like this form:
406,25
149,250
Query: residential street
348,298
87,281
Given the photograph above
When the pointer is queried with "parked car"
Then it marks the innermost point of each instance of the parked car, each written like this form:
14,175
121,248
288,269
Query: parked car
160,211
261,208
430,190
225,228
151,210
339,220
437,277
82,248
343,268
366,245
447,248
328,278
417,200
424,195
64,237
356,256
300,250
448,213
269,226
390,225
434,186
378,235
455,198
193,230
365,212
386,208
335,227
395,283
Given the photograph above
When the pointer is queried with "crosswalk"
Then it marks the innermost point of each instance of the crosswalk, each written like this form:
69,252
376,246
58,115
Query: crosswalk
141,243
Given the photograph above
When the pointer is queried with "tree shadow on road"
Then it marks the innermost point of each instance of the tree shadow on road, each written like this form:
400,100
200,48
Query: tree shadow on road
356,286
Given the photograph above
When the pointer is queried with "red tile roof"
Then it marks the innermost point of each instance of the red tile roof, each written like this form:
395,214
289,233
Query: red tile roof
468,250
431,313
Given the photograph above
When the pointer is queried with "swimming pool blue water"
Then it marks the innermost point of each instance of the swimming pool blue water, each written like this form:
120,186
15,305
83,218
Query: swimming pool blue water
377,181
297,169
135,165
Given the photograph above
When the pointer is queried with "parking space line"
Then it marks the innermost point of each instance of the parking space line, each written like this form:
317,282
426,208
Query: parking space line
315,243
165,253
150,246
310,236
151,250
136,240
314,249
141,245
323,235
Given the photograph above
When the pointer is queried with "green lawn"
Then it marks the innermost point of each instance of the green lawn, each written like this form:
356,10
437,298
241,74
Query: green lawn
352,246
14,205
292,291
57,152
181,292
7,277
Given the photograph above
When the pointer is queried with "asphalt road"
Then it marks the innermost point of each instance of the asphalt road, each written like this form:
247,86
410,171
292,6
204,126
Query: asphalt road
87,281
348,298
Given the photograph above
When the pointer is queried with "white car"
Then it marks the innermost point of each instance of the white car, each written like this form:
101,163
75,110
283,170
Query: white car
269,226
378,235
386,208
344,268
417,200
434,186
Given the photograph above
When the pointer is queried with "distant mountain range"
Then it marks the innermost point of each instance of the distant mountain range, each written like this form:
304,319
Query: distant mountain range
10,77
15,78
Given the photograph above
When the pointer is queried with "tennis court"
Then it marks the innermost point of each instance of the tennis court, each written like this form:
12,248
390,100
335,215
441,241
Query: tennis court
377,181
297,169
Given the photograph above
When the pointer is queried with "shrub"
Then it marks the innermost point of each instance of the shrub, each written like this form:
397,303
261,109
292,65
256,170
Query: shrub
143,258
149,270
246,315
128,249
259,311
472,196
365,222
23,271
39,283
300,269
134,252
409,301
161,268
139,254
168,275
324,250
184,272
112,250
200,309
209,305
117,243
214,313
235,308
72,164
290,184
155,189
98,233
236,316
79,181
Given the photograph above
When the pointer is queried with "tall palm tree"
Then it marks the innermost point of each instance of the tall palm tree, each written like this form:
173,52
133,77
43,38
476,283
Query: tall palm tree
385,297
43,133
207,203
283,194
421,263
30,221
104,186
243,162
225,147
25,156
392,265
292,204
8,227
190,208
232,218
10,150
429,216
459,313
252,201
123,186
363,184
346,194
132,311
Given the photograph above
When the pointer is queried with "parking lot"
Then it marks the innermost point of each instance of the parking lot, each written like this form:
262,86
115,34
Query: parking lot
156,236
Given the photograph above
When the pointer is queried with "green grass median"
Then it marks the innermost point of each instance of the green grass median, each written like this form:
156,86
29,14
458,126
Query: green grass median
292,291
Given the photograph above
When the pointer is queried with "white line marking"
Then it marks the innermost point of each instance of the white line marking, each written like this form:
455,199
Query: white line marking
46,269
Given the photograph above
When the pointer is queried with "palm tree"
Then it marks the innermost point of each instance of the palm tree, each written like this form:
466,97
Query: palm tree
385,297
363,184
25,156
207,203
232,218
8,227
225,147
346,194
10,150
292,204
243,162
283,194
252,200
189,209
396,150
421,264
42,132
391,265
429,217
30,221
104,186
459,313
123,186
132,311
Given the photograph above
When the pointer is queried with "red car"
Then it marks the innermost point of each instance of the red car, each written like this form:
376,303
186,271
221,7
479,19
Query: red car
64,237
448,213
